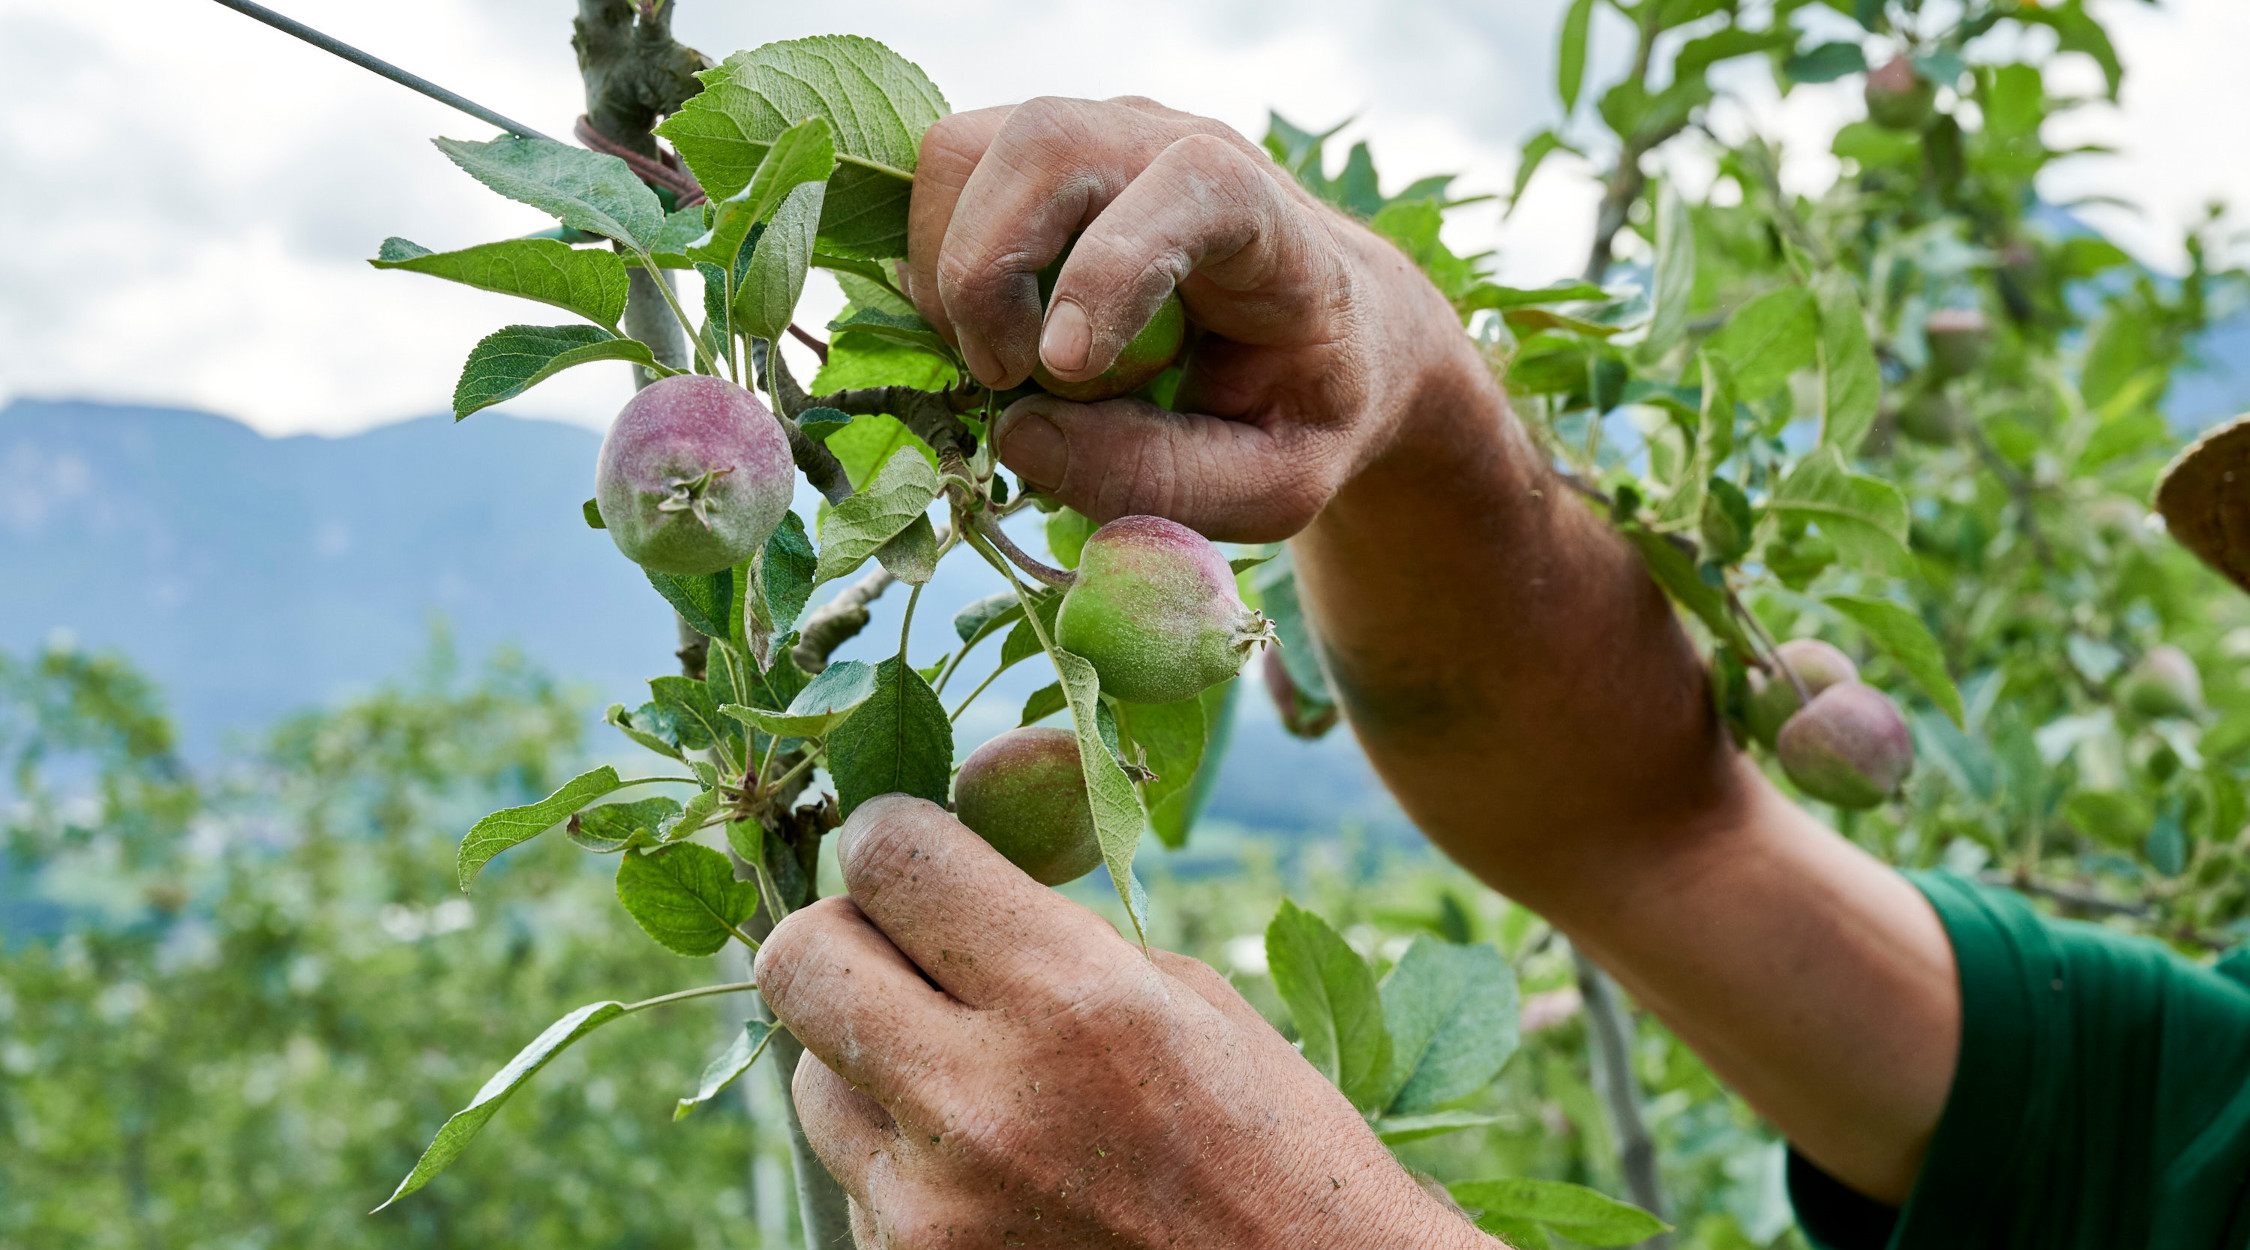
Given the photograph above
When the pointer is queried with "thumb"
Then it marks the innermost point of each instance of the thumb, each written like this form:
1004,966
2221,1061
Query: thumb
1228,480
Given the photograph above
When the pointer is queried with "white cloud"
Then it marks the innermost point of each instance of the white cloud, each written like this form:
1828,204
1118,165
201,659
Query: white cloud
189,197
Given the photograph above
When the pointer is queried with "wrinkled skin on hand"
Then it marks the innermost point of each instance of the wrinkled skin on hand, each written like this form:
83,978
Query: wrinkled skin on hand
1316,333
991,1064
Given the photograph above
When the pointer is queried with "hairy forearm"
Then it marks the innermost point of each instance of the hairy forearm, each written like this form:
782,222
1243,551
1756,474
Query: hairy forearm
1528,694
1507,664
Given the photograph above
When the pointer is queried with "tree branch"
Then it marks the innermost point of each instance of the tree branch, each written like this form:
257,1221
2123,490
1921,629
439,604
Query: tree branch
819,465
1609,1029
933,416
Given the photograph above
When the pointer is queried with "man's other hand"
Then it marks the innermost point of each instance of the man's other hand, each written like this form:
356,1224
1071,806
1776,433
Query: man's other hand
1318,336
991,1064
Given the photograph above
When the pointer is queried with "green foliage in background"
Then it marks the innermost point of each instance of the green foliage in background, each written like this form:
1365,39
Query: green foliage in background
235,1002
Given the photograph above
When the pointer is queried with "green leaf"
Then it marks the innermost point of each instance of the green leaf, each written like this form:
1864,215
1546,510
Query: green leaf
510,361
1172,813
1396,1129
592,512
612,827
589,281
1243,564
1022,643
1331,996
706,601
1725,44
1171,737
1067,531
1899,631
767,298
1864,516
695,815
785,574
1043,703
1300,648
1535,151
877,102
688,704
862,360
912,554
1117,813
1851,383
826,702
1714,443
629,725
1672,291
1675,570
867,284
900,740
1451,1014
899,495
806,152
588,190
505,828
1581,1214
907,328
685,896
669,249
732,1062
819,423
1491,295
1570,63
1826,63
2079,33
455,1134
986,616
1768,339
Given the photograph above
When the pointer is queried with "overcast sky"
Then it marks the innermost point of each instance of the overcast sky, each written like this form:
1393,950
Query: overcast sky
188,198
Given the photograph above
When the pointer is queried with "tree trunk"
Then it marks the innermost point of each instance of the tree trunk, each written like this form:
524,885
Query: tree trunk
635,73
1609,1038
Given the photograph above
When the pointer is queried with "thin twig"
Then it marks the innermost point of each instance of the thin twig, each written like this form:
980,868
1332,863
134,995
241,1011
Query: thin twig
679,996
819,348
990,529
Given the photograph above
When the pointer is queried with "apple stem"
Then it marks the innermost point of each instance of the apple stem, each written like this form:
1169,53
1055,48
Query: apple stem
991,530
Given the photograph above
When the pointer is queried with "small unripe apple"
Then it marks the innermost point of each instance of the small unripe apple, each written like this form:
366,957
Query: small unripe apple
1024,793
1155,611
1301,715
1931,415
1149,353
1849,746
1899,97
1773,697
693,476
2164,684
1958,338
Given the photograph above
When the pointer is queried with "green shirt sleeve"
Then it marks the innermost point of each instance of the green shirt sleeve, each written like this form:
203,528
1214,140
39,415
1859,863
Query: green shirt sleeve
2101,1099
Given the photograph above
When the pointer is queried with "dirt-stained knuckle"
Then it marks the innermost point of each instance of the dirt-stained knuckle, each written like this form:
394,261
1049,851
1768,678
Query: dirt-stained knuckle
885,838
785,955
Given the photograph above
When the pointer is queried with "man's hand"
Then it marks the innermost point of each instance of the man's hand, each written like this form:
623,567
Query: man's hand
990,1064
1317,334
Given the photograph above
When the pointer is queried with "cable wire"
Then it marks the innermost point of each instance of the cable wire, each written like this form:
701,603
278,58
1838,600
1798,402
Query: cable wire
291,26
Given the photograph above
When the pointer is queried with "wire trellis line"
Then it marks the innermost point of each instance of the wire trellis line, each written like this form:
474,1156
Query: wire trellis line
375,64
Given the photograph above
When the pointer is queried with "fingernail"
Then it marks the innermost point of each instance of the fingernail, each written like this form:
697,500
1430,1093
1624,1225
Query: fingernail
1031,445
1068,338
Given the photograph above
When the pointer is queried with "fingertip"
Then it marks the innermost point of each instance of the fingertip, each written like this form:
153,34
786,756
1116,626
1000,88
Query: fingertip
1029,441
1067,340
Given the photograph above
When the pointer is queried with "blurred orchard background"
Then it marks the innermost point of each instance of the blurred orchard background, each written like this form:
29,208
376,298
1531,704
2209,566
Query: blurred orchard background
272,634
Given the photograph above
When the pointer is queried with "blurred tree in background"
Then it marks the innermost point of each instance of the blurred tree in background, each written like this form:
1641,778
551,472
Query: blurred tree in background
241,1000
